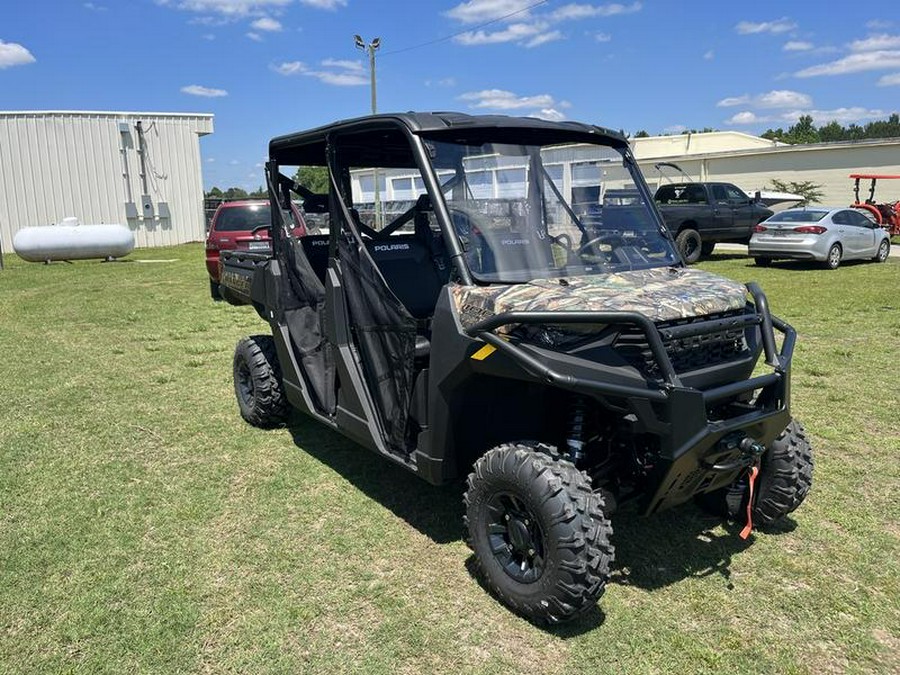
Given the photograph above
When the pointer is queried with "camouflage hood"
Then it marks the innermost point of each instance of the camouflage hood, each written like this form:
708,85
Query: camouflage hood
660,294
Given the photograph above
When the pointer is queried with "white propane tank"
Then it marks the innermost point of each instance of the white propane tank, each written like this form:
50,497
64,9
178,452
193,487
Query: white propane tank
71,241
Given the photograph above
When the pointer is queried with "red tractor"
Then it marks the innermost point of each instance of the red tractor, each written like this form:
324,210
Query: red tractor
887,215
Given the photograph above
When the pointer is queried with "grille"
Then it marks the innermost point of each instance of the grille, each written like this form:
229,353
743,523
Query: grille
686,354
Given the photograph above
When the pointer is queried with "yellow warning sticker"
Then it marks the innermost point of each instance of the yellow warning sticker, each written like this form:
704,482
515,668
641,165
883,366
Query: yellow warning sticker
484,352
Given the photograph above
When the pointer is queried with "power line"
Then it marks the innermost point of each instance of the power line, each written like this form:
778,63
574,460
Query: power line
467,30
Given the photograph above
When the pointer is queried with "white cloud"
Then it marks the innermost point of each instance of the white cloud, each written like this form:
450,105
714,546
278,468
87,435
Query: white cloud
797,46
544,38
578,11
889,80
325,4
14,54
94,7
208,36
782,98
267,23
208,92
549,114
603,37
500,99
675,129
543,106
710,55
878,24
745,117
256,37
228,8
479,11
444,82
876,42
336,72
842,115
733,101
290,68
782,25
777,98
521,26
516,32
855,63
211,159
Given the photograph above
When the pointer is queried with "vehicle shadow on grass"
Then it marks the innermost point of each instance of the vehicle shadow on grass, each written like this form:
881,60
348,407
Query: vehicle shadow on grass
651,552
435,511
686,542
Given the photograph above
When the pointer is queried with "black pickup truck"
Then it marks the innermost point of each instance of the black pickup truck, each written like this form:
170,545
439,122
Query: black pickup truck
702,214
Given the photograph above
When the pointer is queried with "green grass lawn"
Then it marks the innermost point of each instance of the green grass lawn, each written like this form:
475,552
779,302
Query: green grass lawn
145,528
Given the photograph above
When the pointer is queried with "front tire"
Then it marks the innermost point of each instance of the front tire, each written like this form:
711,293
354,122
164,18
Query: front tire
257,382
762,262
538,531
690,244
707,247
884,251
785,478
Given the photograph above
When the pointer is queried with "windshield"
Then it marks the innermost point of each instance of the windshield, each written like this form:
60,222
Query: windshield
526,212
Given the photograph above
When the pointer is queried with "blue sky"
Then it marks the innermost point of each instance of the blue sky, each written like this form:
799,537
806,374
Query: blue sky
266,67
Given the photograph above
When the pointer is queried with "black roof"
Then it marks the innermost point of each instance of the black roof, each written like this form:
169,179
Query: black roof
300,147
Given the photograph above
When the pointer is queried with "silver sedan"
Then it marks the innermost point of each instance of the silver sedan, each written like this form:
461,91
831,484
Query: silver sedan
824,234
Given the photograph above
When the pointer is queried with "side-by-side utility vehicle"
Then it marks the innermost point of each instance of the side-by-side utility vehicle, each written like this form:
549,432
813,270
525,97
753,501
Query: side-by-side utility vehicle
462,318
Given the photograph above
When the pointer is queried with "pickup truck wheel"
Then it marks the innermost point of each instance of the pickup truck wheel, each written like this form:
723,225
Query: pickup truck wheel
214,290
538,531
762,262
257,382
785,478
707,247
690,245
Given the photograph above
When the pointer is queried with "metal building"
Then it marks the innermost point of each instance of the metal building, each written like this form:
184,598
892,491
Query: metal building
137,169
751,162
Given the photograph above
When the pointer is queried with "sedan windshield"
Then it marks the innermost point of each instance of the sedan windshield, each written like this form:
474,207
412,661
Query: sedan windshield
525,212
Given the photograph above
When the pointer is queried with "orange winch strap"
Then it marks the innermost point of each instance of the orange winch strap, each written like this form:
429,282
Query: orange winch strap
748,528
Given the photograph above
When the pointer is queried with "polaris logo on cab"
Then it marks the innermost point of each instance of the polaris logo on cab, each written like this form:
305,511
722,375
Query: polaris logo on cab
381,248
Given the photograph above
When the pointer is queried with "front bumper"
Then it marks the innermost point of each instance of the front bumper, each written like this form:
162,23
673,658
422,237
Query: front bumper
699,430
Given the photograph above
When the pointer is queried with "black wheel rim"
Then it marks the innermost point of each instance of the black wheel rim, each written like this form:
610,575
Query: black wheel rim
690,247
515,538
245,382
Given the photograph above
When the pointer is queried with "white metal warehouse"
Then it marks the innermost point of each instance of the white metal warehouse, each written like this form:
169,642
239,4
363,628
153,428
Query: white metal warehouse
751,162
137,169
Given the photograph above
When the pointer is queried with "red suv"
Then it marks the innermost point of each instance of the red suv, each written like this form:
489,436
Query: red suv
241,225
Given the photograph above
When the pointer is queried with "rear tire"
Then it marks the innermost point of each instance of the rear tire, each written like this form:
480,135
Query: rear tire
689,244
884,250
835,253
257,382
762,262
785,478
538,531
215,291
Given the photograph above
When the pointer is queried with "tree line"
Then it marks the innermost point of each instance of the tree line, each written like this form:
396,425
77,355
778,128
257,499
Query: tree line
804,131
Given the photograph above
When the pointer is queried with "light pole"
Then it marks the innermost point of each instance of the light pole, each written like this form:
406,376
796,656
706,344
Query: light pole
371,47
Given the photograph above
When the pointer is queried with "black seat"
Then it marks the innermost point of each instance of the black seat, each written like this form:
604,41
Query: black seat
315,246
407,266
